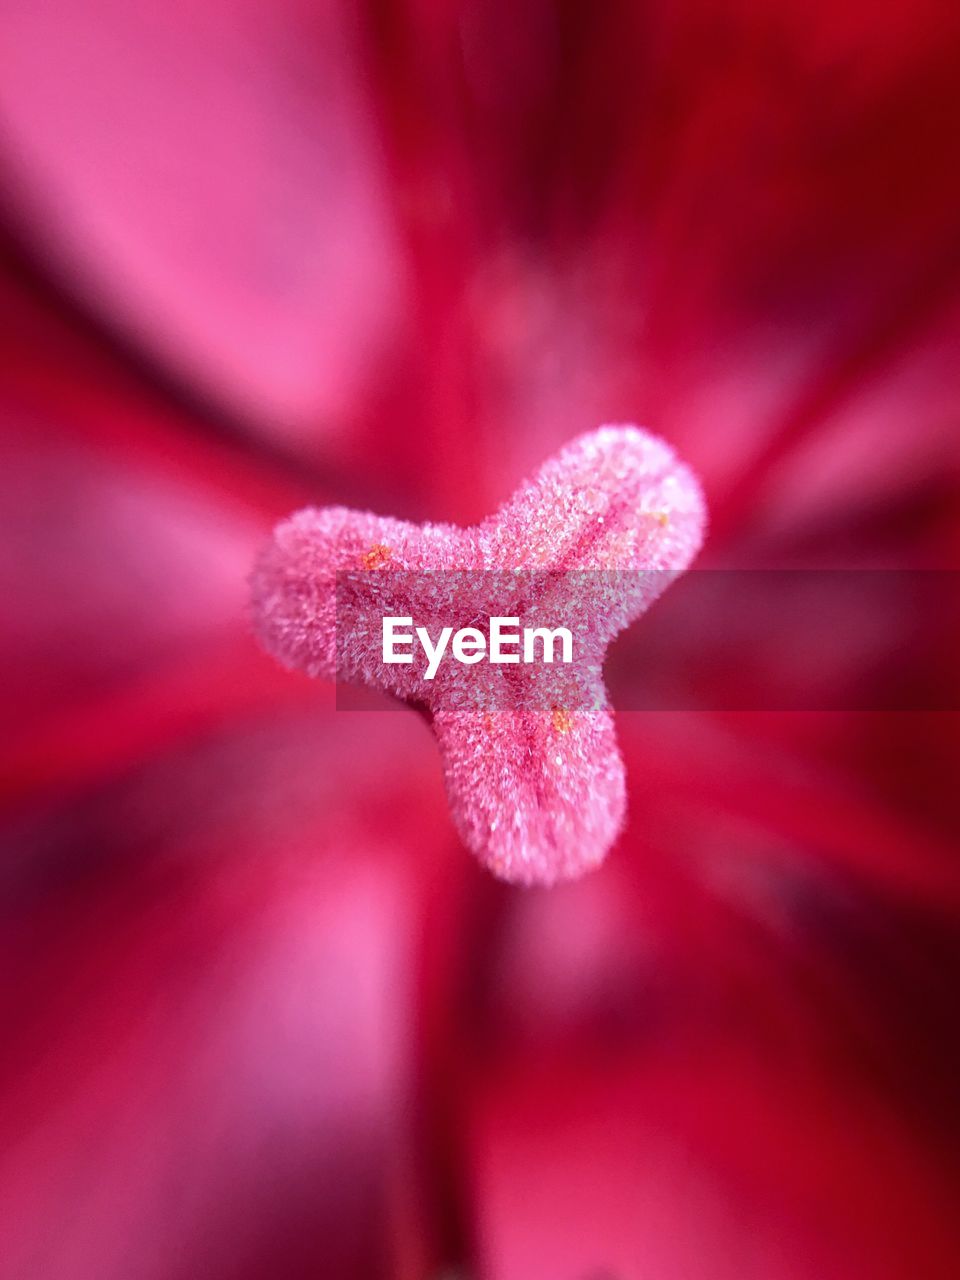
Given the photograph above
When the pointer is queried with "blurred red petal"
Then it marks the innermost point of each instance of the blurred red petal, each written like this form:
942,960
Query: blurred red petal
707,1164
210,991
207,176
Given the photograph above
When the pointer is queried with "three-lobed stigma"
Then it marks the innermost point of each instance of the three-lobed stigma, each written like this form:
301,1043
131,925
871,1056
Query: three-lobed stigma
535,782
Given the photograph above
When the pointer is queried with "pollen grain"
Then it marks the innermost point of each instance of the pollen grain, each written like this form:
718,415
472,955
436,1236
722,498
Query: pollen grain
378,555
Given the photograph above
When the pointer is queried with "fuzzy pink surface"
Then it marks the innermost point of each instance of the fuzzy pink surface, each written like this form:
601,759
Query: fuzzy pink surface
535,783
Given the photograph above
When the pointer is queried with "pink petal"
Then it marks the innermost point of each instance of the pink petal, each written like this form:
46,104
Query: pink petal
206,174
705,1161
209,999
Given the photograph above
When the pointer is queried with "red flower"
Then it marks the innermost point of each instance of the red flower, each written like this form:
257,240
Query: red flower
261,1017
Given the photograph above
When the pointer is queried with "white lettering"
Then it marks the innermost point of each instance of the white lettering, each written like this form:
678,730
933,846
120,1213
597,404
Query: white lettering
497,638
469,645
391,639
434,652
548,637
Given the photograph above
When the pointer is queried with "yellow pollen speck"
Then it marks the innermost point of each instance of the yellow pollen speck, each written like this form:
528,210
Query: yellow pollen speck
662,518
562,720
376,557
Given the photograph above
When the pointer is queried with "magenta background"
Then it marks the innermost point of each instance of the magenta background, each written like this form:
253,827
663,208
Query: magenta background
260,1016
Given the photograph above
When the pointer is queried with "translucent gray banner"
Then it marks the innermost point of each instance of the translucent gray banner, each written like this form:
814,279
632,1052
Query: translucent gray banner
737,640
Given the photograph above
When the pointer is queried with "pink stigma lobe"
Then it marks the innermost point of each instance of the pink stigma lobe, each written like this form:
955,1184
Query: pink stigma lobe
533,771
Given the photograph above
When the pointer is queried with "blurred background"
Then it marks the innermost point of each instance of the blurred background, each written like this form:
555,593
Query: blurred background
260,1014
